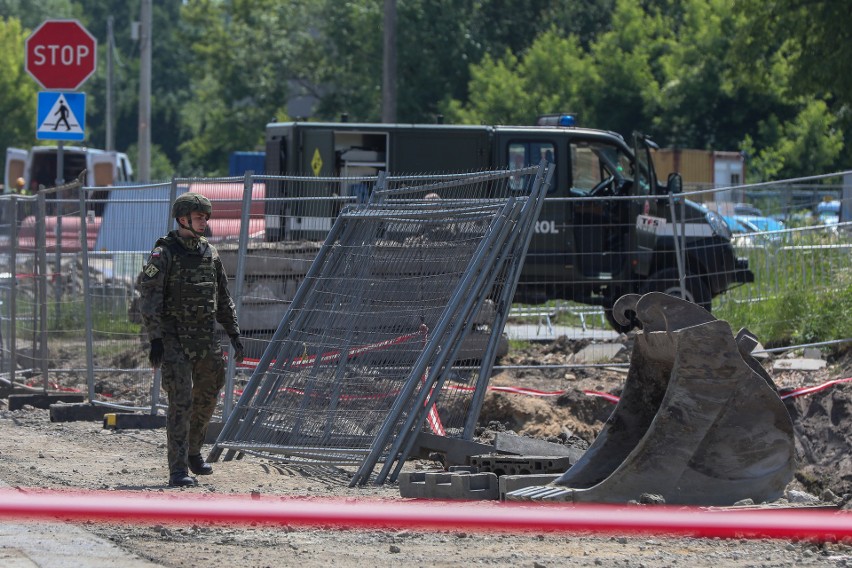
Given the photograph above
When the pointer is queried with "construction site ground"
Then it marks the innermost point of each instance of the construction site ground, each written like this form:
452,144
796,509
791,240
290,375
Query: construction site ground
37,454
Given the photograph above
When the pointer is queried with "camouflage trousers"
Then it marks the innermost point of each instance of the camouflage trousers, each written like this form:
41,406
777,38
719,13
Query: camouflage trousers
192,386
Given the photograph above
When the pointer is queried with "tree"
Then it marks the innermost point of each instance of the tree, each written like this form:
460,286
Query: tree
812,41
515,91
809,144
31,13
236,91
812,36
169,78
18,91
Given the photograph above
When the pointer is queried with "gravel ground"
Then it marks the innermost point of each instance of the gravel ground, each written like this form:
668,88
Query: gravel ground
37,454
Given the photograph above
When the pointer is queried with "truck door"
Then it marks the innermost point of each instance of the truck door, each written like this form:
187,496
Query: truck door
549,250
101,168
317,157
16,167
308,219
101,172
600,169
644,210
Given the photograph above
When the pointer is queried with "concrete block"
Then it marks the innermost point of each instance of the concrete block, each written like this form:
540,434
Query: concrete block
79,412
448,485
213,431
117,421
455,450
521,465
42,400
507,483
521,445
798,365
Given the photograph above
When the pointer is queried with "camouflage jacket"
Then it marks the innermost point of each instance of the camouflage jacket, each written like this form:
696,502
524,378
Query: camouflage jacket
184,291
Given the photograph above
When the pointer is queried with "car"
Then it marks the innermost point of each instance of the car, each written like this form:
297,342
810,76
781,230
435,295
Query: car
747,210
754,230
828,212
762,224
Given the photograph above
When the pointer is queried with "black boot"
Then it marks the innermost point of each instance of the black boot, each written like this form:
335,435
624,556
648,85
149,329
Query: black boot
181,479
198,466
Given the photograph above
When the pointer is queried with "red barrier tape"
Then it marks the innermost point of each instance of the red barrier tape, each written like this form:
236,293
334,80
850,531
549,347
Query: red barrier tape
332,356
534,392
794,393
430,515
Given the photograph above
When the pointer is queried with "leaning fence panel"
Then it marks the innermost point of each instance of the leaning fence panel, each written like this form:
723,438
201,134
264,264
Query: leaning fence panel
371,336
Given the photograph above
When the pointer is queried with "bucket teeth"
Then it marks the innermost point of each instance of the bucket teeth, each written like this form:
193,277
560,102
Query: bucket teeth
699,420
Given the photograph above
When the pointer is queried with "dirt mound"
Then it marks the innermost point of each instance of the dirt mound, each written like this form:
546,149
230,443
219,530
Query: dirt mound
820,420
824,439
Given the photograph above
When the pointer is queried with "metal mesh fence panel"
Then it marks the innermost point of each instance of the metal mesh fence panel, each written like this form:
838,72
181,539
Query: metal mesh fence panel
385,311
800,249
128,220
793,237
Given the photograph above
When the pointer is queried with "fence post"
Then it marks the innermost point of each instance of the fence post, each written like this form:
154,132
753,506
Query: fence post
87,304
13,292
239,277
677,244
172,197
41,279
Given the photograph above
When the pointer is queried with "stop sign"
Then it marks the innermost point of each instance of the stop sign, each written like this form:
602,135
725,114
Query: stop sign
61,54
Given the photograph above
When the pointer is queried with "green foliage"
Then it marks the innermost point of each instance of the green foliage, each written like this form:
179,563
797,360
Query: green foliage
809,143
799,315
514,91
31,13
769,77
19,91
161,168
242,55
811,302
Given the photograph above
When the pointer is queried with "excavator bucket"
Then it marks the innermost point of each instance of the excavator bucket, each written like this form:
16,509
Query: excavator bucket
699,421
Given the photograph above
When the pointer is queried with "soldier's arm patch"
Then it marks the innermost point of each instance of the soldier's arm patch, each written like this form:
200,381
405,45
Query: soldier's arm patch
151,270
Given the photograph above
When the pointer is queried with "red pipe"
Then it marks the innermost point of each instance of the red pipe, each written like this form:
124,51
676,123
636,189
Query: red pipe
430,515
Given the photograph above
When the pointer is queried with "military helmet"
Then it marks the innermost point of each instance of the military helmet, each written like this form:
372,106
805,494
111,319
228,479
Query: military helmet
189,202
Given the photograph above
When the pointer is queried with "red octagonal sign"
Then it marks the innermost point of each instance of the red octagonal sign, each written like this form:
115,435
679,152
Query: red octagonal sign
61,54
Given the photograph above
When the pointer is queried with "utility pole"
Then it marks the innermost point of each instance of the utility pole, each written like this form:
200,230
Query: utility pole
389,63
110,77
144,145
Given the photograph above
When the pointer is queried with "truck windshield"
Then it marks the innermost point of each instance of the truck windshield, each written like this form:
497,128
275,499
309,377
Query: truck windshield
596,166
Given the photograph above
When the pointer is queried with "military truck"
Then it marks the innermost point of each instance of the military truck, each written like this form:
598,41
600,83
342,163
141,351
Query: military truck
614,237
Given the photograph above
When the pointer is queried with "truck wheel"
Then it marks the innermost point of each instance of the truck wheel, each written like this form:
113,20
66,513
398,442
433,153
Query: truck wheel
668,282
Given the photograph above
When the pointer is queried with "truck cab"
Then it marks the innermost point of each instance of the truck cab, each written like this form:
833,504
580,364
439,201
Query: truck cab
605,229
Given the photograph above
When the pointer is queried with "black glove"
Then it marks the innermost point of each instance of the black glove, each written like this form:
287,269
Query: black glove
156,355
239,350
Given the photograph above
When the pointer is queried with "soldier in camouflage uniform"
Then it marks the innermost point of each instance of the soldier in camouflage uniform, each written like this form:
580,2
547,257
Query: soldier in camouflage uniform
184,292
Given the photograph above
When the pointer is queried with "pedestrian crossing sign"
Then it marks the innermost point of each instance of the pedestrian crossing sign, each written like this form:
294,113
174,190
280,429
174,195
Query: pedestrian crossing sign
61,116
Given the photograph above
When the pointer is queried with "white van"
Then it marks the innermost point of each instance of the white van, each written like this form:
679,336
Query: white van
38,167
